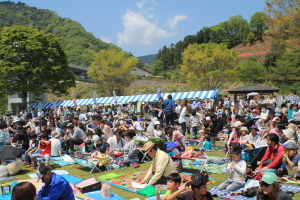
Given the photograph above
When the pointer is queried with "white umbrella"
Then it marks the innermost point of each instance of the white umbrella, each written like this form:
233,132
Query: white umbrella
252,94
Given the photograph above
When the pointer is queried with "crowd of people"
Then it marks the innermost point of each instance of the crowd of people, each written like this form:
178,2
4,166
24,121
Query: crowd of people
108,133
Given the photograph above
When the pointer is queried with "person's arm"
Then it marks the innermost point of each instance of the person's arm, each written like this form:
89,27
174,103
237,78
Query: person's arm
174,195
277,161
266,157
241,167
38,148
160,167
288,160
74,135
146,178
55,191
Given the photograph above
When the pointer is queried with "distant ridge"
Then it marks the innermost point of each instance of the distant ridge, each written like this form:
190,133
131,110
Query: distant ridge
148,59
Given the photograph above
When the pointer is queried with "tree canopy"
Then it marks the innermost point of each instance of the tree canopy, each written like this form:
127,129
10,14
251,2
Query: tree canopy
208,65
32,62
79,44
112,69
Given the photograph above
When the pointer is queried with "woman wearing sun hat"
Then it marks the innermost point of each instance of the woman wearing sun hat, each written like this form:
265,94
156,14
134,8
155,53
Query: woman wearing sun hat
270,188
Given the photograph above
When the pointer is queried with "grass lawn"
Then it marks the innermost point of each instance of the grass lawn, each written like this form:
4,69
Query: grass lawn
83,173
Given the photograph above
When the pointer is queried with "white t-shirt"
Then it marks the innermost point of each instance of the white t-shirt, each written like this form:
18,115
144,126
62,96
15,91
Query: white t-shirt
137,126
113,144
55,146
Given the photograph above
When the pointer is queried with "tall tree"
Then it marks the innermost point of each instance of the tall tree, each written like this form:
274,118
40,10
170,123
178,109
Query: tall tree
32,62
251,71
258,25
208,65
112,70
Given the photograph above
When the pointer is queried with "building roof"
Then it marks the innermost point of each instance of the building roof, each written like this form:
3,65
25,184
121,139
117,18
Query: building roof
253,88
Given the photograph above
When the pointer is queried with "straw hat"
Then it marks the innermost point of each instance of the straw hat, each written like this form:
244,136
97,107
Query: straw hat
289,133
148,146
157,123
292,126
244,128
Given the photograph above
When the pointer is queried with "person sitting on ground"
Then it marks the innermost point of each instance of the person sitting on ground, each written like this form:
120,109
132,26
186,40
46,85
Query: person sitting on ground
199,189
290,159
254,135
21,139
136,124
43,150
106,130
24,190
234,136
158,132
56,187
273,153
4,134
173,182
104,157
270,188
130,150
244,137
205,129
55,144
116,142
207,143
236,171
161,167
289,135
33,145
176,136
76,137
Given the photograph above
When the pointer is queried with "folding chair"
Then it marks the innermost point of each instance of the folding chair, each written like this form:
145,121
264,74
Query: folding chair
140,149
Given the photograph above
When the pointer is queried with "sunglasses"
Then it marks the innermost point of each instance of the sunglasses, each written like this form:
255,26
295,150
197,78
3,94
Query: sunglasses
264,184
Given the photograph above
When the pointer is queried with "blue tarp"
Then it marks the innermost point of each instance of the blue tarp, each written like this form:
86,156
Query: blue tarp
211,94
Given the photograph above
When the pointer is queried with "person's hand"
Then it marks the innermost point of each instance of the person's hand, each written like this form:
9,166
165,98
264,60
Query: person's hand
187,185
233,163
285,155
258,168
280,170
264,169
158,189
143,181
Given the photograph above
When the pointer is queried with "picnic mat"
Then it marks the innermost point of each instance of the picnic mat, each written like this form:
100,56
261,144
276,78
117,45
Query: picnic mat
59,172
124,182
226,194
96,195
72,179
212,168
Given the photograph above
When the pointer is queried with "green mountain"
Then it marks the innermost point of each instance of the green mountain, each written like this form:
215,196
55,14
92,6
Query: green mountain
79,44
149,59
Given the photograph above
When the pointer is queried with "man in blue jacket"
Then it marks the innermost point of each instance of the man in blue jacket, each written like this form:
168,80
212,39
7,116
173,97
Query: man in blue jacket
56,187
168,107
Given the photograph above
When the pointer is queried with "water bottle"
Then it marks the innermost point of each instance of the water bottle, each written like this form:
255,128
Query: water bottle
243,156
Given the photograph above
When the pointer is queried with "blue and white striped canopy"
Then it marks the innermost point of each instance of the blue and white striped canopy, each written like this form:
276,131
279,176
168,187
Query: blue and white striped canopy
211,94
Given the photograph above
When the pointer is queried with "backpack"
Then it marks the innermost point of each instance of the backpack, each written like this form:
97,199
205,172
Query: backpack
246,120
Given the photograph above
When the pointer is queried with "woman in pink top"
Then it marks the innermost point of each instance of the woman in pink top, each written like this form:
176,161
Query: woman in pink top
233,137
176,136
244,137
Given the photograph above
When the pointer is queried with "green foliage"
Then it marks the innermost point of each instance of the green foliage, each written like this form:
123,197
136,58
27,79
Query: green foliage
250,71
251,38
32,61
78,43
288,67
149,59
111,69
258,25
208,65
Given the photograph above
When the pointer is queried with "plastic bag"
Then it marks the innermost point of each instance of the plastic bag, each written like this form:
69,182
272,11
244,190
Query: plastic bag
187,154
106,191
68,159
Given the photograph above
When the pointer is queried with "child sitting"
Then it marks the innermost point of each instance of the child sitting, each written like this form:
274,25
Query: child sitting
236,171
290,159
244,137
205,129
173,182
207,143
104,158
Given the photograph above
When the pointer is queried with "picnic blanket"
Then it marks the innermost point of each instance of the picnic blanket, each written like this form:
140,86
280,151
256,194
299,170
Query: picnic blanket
124,182
59,172
212,168
226,194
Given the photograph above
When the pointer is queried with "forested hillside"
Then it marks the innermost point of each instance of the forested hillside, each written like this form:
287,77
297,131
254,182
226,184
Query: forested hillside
149,59
79,44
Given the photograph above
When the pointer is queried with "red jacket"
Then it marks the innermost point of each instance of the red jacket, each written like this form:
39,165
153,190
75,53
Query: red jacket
275,155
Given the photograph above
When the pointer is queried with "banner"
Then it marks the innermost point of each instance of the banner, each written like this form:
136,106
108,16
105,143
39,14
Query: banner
95,97
158,92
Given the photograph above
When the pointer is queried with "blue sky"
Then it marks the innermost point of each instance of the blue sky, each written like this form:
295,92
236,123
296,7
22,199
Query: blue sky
142,27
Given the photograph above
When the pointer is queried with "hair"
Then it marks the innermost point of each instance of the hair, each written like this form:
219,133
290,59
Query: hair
119,131
24,191
273,138
130,134
102,121
2,125
134,118
76,118
70,126
235,151
193,112
206,125
160,98
175,177
169,96
44,136
207,138
33,135
103,148
274,194
291,106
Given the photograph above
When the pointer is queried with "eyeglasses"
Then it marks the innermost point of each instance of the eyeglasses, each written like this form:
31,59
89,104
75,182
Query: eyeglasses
263,184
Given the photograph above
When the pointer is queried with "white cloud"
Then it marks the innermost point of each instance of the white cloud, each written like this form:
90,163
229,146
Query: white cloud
106,39
142,27
174,21
140,31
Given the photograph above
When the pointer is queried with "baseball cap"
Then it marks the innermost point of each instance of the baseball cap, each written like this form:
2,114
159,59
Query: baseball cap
42,171
269,177
291,145
199,178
